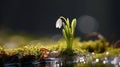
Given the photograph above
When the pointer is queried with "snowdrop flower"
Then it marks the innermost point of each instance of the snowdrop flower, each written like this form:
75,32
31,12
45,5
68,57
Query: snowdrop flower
59,23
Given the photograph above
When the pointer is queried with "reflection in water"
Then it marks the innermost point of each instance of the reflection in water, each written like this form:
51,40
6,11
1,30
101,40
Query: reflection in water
78,65
79,61
65,65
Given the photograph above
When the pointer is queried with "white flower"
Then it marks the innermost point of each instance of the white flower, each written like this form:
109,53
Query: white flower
59,23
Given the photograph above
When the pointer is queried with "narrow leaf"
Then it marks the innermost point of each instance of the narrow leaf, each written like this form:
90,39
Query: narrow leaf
64,34
73,25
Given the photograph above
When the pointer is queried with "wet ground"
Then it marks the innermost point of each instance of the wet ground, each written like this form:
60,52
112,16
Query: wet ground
65,65
53,62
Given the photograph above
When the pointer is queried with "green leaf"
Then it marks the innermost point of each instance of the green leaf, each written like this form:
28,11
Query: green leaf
64,34
68,23
73,26
66,31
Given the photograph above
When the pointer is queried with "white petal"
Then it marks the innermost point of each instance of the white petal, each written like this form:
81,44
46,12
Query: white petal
59,23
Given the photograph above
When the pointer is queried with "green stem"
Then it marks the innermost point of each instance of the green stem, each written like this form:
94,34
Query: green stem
63,18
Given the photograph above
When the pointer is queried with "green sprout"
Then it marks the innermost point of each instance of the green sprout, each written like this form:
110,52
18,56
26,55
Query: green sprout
68,30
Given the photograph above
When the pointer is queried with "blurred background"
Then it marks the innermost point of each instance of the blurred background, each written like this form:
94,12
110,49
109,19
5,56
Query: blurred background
38,17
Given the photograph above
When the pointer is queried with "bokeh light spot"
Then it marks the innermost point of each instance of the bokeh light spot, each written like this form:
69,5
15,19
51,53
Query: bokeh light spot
87,24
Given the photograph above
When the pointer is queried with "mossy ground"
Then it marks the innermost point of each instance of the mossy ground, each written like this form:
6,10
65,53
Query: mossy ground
29,46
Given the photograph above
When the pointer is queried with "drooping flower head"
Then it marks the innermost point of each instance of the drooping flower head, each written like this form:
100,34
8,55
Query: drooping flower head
59,23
